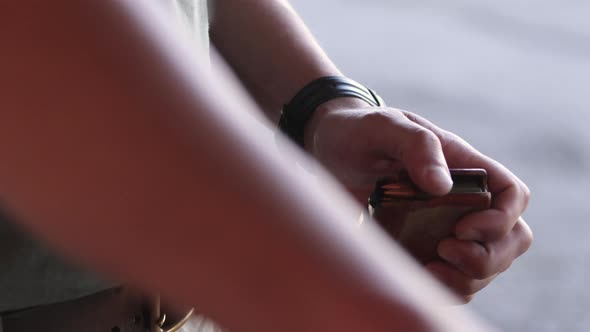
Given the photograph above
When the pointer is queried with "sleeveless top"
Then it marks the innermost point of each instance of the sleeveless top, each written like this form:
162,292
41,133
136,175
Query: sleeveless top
30,273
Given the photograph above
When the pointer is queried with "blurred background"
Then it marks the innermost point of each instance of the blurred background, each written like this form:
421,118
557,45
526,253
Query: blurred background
513,79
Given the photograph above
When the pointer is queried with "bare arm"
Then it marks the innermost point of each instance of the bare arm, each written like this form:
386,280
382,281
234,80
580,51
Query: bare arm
271,50
115,149
275,55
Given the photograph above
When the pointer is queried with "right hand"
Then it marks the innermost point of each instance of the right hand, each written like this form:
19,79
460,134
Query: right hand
360,144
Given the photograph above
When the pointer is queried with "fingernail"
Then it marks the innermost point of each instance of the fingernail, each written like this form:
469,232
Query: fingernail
439,176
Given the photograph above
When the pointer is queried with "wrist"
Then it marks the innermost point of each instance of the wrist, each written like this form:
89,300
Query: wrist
298,112
334,105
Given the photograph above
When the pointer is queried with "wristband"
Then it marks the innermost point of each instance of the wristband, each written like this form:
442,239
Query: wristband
300,109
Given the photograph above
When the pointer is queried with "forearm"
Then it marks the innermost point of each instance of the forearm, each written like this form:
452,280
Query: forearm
270,49
133,165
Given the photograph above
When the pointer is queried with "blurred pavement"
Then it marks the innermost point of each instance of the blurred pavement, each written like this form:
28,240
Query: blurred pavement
513,79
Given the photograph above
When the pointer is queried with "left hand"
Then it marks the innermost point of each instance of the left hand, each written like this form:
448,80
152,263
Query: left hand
359,144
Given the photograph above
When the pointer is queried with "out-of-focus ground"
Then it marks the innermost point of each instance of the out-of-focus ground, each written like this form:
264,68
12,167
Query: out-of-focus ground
512,78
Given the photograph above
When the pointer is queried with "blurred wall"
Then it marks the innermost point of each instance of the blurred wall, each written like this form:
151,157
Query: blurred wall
513,79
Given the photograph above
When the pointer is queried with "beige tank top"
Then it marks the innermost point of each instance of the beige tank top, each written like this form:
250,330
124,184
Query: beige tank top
193,17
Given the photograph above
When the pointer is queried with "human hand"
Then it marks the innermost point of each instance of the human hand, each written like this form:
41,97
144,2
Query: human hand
360,144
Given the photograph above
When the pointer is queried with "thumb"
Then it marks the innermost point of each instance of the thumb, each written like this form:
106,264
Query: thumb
420,152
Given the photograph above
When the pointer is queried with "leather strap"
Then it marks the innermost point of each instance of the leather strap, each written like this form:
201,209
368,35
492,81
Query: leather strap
300,109
113,310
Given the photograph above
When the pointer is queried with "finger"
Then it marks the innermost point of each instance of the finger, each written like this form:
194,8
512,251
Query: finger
510,196
468,298
459,153
417,148
494,223
481,261
458,282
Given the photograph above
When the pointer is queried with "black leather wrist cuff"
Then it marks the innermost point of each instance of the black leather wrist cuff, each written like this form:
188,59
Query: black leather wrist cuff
300,109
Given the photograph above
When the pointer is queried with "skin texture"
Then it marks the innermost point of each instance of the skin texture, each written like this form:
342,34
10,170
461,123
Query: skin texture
274,55
270,49
118,151
485,243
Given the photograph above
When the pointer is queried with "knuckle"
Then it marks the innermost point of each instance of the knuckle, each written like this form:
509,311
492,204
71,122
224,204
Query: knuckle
501,227
453,138
526,193
411,116
467,299
424,137
506,266
504,228
472,287
525,235
468,287
374,117
452,141
528,240
379,116
481,268
480,271
526,190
